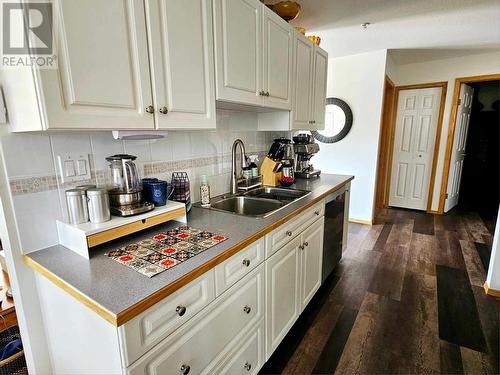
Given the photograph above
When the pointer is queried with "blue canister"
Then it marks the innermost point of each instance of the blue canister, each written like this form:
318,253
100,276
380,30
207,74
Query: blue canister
157,192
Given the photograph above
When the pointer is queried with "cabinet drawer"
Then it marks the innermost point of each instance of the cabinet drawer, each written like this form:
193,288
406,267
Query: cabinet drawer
236,267
248,357
284,233
206,340
147,329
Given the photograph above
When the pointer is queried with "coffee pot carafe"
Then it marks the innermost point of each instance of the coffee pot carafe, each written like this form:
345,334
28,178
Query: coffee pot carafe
123,174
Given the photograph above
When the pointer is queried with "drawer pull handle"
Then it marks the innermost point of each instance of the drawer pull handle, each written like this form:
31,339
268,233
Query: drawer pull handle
247,366
288,233
246,262
247,309
180,310
306,243
316,213
185,369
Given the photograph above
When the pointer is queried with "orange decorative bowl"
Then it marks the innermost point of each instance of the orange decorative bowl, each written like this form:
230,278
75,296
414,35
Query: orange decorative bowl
315,39
301,30
287,10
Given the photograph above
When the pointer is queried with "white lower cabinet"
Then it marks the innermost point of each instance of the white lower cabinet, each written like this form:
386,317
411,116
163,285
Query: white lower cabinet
311,256
203,342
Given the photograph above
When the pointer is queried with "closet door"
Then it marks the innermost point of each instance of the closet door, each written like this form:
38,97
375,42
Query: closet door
103,78
181,51
238,50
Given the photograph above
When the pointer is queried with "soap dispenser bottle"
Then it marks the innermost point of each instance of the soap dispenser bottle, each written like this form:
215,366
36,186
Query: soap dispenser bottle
253,165
204,192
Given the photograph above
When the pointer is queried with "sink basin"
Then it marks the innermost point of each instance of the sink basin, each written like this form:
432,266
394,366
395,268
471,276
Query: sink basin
247,206
281,194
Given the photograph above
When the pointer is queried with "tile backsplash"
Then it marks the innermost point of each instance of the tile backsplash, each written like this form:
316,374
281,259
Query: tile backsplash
38,193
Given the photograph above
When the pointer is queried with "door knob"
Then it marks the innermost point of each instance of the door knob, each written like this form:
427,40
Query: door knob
150,109
163,110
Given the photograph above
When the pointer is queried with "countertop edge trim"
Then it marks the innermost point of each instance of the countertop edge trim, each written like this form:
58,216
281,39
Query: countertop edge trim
68,288
141,306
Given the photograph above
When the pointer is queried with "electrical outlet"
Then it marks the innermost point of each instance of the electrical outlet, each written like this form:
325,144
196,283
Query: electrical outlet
74,167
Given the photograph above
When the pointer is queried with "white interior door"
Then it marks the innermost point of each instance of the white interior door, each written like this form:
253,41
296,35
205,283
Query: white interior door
415,135
459,143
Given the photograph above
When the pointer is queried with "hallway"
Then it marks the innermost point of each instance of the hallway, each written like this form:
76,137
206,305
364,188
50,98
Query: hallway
406,298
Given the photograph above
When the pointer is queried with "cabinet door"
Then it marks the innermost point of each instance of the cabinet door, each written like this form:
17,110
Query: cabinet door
311,256
181,50
102,80
319,88
282,288
238,50
303,75
277,68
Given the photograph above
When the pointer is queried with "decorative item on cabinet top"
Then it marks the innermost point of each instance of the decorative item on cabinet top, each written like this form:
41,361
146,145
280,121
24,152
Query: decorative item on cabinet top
165,250
288,10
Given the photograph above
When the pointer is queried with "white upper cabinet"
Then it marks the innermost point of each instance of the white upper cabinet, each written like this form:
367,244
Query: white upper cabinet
310,74
303,76
278,60
238,50
319,90
103,77
181,57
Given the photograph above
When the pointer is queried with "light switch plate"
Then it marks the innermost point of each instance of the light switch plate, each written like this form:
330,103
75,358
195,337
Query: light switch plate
74,167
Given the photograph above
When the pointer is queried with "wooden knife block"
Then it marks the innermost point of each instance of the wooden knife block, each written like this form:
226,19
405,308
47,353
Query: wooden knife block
268,171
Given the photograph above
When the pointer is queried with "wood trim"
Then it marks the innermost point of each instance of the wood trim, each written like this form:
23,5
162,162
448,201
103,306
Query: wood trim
164,292
381,198
491,292
112,234
451,131
391,134
359,221
89,302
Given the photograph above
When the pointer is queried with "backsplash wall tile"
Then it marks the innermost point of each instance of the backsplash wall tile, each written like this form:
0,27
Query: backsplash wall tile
39,197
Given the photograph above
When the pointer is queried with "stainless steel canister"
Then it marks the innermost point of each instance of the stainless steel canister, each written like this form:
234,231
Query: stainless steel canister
98,204
77,206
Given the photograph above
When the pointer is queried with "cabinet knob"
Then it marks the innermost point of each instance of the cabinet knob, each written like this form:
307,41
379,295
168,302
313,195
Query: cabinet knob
261,93
247,309
306,244
247,366
150,109
185,369
301,247
163,110
246,262
267,93
316,213
180,310
288,233
314,121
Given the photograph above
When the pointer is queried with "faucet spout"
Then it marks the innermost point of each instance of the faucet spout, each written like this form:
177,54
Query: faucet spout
234,174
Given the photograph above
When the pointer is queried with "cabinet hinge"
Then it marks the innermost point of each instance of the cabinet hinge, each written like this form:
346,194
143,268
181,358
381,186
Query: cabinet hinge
459,101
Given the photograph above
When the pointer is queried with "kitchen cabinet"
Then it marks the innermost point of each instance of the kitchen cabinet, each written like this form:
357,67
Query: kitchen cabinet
293,275
310,75
121,66
182,63
253,55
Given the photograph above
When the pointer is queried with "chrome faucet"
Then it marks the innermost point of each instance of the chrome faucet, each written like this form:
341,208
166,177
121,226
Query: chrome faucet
234,175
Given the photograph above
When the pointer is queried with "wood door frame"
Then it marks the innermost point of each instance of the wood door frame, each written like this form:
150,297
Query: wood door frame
451,131
385,183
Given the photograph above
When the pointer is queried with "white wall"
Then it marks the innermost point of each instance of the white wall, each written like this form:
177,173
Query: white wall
446,70
493,277
359,81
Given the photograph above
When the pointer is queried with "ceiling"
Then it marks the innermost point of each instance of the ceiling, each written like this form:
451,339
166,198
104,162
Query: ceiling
401,24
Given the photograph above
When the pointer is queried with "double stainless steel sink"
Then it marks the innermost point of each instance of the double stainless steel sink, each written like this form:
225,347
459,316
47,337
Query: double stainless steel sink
259,202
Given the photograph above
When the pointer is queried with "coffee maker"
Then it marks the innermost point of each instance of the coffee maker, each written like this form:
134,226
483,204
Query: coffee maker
305,148
124,186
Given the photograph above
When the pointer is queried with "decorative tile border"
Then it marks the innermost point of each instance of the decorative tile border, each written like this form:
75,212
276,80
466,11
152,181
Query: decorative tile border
31,185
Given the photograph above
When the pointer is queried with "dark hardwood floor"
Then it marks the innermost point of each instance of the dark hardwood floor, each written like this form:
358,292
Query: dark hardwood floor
407,298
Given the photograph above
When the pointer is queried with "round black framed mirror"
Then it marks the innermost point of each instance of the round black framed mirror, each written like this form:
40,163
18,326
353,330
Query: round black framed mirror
338,121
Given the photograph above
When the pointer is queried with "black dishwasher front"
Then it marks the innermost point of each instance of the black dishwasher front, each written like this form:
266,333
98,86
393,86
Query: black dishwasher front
334,231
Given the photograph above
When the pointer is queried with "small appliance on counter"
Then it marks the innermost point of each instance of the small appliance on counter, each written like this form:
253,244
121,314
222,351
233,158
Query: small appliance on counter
305,148
124,187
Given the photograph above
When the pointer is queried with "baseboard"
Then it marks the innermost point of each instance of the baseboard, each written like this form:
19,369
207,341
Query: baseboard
491,292
358,221
434,212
